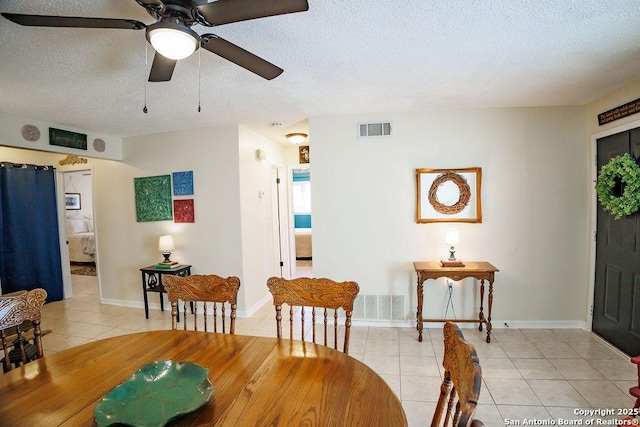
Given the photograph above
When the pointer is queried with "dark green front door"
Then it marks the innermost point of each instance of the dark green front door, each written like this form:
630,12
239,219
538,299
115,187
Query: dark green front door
616,308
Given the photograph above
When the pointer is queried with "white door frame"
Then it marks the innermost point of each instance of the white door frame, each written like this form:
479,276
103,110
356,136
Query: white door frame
67,289
280,221
62,226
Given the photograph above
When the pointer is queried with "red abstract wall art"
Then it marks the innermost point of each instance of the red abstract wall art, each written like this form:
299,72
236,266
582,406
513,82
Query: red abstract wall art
183,210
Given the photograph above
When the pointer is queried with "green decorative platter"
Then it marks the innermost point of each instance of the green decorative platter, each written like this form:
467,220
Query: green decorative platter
155,394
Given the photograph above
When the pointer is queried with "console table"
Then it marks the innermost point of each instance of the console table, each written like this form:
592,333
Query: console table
480,270
152,282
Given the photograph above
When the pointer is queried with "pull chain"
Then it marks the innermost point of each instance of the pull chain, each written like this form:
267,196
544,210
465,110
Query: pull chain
199,51
146,63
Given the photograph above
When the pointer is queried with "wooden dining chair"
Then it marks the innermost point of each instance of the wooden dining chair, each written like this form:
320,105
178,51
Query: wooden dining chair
20,316
460,388
207,291
324,294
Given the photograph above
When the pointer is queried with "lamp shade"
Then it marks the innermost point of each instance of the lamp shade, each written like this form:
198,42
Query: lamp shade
166,244
452,236
173,41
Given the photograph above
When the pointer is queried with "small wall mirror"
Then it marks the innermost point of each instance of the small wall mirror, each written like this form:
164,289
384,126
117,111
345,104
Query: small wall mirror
448,195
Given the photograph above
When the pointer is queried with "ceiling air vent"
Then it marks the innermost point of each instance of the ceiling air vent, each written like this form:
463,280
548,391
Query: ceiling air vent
366,130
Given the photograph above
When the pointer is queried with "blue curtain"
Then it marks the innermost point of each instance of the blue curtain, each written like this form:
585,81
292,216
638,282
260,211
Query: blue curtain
29,240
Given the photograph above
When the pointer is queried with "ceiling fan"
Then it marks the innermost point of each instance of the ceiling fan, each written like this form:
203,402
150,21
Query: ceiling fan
171,35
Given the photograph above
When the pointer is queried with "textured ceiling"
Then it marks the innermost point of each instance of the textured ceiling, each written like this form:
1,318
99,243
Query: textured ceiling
340,57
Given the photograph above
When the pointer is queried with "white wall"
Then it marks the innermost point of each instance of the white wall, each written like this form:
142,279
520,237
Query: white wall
11,136
17,155
535,201
82,183
232,233
257,219
211,245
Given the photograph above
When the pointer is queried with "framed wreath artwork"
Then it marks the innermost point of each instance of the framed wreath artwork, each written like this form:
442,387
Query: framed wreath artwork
448,195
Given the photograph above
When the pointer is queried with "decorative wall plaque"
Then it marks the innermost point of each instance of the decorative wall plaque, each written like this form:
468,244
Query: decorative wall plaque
65,138
99,145
30,133
183,210
72,160
183,183
617,113
153,198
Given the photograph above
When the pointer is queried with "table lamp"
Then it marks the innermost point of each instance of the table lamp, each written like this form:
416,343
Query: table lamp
165,246
452,238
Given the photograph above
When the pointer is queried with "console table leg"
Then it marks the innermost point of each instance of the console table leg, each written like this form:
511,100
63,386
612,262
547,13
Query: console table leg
419,323
481,315
144,293
489,318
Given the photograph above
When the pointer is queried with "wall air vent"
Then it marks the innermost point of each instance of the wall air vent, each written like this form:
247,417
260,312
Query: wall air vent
379,307
368,130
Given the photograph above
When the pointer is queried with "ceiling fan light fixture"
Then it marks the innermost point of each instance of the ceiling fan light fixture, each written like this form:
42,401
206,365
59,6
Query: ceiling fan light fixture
173,41
296,137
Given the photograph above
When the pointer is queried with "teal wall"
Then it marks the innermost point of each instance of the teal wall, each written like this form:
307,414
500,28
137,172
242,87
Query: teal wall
301,221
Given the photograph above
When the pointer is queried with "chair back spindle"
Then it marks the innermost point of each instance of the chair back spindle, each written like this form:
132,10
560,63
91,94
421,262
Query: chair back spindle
315,294
200,291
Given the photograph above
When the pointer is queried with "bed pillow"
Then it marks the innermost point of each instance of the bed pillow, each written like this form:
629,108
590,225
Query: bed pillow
76,226
89,224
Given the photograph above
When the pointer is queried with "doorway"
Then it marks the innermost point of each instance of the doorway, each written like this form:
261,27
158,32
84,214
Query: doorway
616,306
302,220
281,264
79,222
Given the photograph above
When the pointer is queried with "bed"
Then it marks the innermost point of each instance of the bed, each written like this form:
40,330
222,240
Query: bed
81,238
303,243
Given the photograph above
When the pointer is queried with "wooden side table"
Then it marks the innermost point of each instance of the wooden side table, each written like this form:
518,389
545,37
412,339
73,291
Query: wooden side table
152,282
480,270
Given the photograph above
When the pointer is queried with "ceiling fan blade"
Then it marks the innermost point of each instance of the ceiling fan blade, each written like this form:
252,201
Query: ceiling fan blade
238,55
155,8
161,69
74,22
226,11
154,4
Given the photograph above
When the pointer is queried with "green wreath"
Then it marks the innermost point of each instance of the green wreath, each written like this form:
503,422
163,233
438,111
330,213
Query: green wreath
618,186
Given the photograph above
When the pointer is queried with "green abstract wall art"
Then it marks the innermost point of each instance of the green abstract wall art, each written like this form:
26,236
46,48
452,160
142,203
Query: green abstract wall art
153,198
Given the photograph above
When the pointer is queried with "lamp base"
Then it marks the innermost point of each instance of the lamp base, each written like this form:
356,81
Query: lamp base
452,255
167,261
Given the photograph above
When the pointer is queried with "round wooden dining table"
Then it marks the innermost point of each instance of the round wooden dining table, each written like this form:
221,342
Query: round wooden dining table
257,381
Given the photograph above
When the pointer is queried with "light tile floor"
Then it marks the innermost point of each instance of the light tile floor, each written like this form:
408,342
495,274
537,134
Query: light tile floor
527,374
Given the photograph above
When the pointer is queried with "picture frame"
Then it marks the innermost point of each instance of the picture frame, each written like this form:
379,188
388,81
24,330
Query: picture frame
153,198
449,195
303,154
183,183
72,201
65,138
